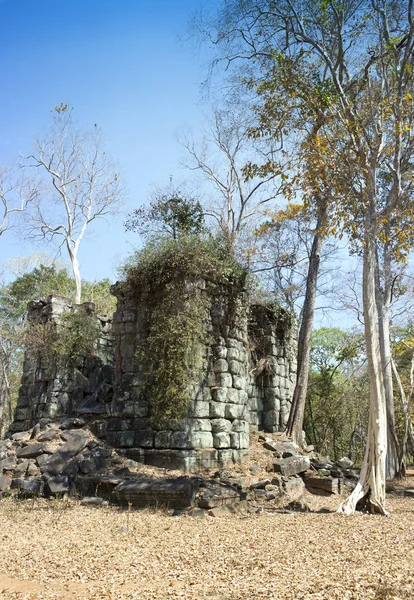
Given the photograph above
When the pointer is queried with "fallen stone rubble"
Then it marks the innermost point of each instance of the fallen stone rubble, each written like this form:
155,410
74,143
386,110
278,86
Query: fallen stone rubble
65,459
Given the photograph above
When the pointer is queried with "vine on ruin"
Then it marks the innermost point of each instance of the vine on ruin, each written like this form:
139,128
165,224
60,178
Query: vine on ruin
173,273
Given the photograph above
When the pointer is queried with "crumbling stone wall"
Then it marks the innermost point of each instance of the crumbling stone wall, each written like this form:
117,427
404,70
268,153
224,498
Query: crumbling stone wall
272,366
247,374
52,391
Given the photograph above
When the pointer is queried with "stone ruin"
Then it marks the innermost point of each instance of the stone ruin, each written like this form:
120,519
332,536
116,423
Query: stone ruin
248,374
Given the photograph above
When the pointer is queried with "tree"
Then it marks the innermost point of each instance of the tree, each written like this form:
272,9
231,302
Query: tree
237,199
39,282
77,184
362,53
337,399
170,212
16,193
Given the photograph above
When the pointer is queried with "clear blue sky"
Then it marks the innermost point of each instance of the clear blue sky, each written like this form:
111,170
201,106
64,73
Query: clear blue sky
121,64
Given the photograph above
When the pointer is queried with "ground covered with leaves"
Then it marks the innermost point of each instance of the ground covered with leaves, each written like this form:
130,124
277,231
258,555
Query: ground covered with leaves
61,550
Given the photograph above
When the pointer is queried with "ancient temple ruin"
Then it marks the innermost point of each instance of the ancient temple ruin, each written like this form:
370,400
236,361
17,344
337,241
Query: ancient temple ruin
245,383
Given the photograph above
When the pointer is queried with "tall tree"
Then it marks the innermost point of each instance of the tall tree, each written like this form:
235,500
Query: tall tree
363,51
77,185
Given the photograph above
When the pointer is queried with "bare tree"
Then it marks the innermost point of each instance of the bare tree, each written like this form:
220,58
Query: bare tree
77,184
238,199
16,193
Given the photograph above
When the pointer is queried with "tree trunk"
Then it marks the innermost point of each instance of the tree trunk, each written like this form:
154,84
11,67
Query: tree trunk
371,484
408,426
75,270
297,410
383,299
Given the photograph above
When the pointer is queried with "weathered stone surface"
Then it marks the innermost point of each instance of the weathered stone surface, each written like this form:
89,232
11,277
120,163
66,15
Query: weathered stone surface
292,465
294,488
7,464
22,436
76,441
327,484
21,467
221,440
344,463
220,425
5,483
48,435
30,451
57,485
217,494
174,493
28,487
92,462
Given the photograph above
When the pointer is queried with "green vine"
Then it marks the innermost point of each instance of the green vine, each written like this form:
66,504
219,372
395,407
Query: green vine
173,274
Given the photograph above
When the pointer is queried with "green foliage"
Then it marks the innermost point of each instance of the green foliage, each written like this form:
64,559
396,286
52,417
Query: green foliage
191,256
63,343
171,214
338,398
171,273
43,281
99,293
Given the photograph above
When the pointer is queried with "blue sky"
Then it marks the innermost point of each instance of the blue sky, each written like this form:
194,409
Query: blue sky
122,64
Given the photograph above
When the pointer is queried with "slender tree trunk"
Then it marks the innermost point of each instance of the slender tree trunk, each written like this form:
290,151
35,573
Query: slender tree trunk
75,270
383,299
371,484
409,429
295,422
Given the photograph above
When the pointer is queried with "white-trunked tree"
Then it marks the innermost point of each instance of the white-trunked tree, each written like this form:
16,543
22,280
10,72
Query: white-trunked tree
77,184
361,55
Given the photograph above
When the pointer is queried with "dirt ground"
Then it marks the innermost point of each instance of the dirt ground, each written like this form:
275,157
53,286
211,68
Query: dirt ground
60,550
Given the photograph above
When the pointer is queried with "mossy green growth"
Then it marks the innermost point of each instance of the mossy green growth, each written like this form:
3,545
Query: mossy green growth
173,274
64,343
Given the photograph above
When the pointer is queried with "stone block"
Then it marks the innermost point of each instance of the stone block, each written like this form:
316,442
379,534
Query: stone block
180,439
234,396
224,380
220,352
201,409
163,439
226,457
235,440
220,366
244,440
236,367
220,425
30,451
199,424
235,411
239,382
217,410
144,439
292,465
28,487
202,439
220,394
235,354
294,488
221,440
127,439
57,485
173,493
327,484
5,483
240,426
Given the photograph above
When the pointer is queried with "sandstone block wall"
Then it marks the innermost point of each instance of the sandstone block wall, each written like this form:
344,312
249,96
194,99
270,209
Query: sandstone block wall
52,391
245,382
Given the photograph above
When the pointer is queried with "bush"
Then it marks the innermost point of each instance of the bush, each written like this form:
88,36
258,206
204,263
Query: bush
169,271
